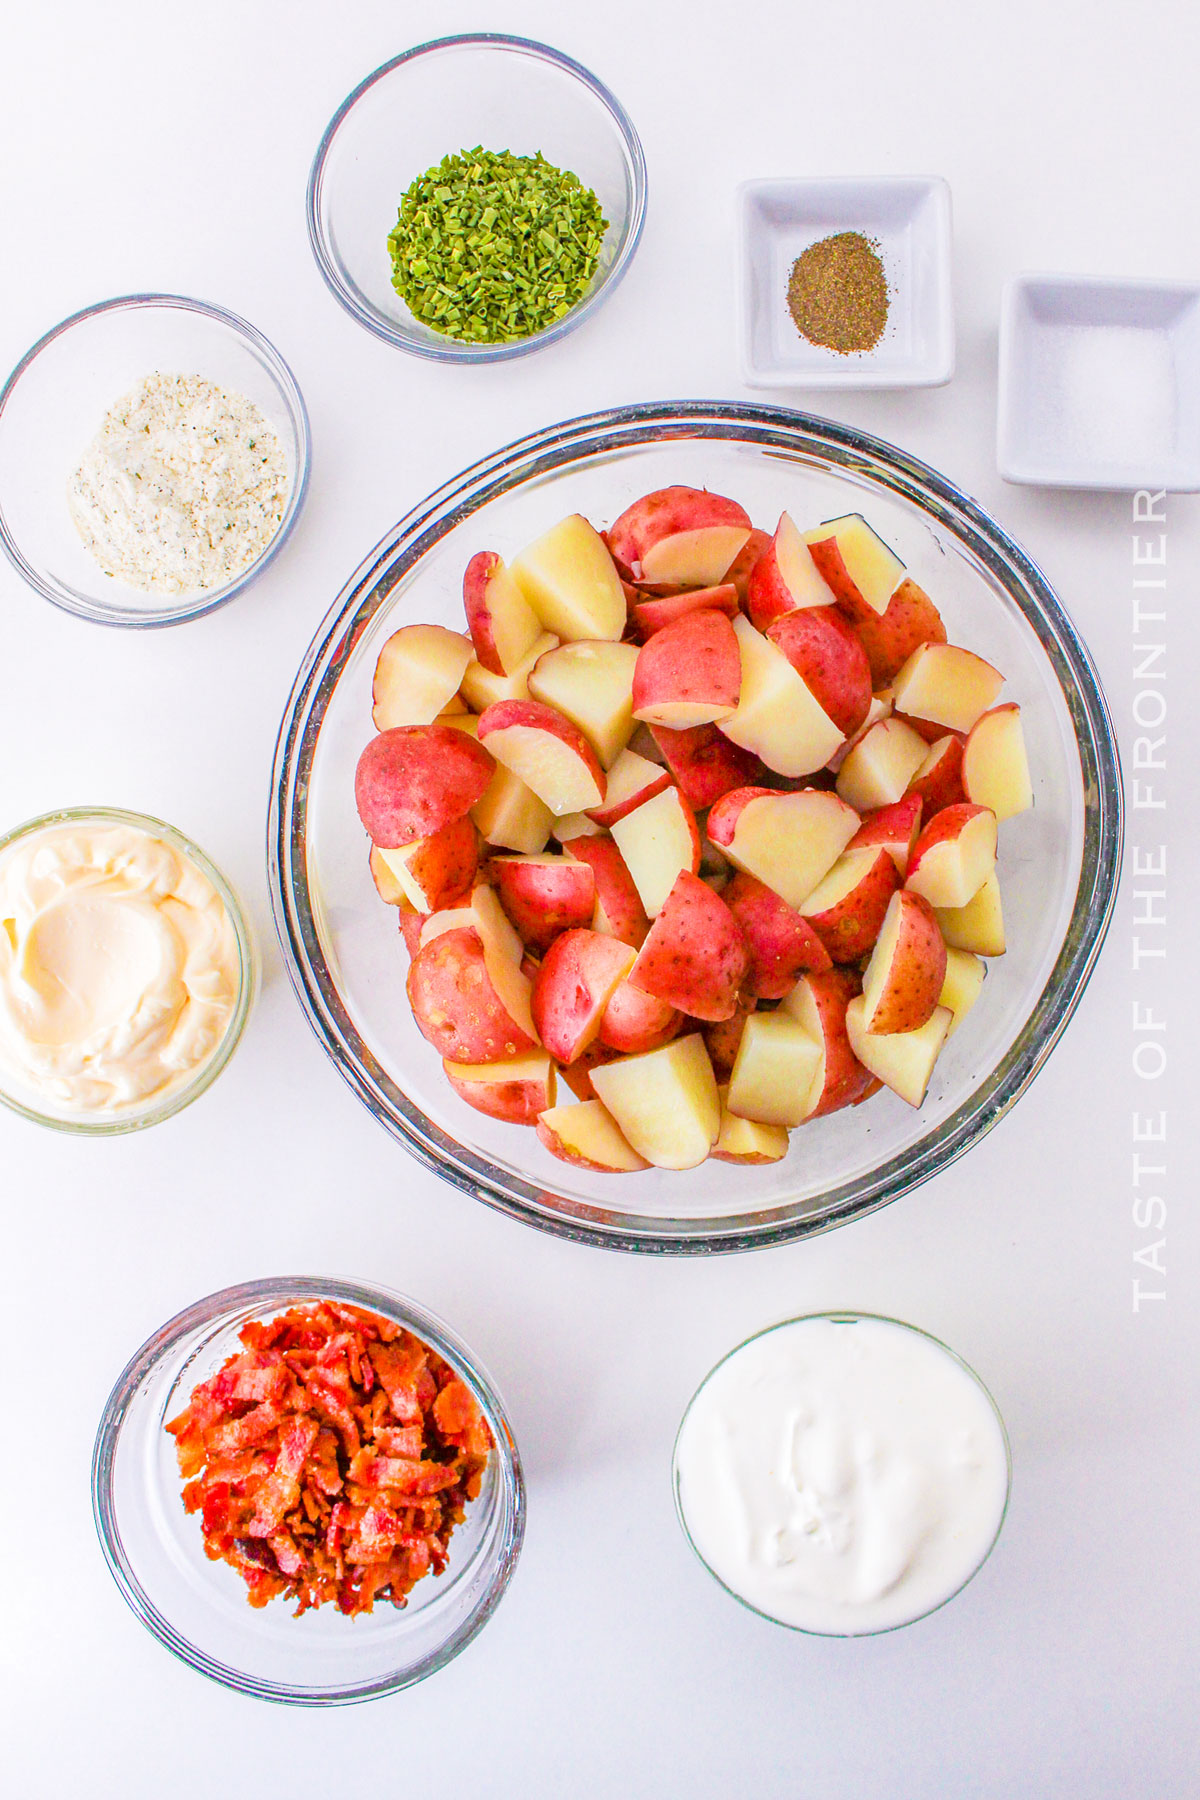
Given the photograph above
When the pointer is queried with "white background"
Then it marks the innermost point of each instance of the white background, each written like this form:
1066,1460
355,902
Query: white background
152,145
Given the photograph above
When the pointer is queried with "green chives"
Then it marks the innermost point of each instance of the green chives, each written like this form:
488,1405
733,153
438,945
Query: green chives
489,247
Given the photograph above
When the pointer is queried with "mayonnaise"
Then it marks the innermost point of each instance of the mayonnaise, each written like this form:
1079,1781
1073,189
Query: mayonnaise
842,1475
119,968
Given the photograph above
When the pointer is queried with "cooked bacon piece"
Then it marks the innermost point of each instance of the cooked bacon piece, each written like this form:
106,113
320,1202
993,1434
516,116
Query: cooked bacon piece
459,1419
331,1459
399,1440
279,1494
399,1367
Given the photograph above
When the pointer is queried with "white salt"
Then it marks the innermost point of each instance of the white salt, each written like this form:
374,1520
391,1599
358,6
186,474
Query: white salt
1103,393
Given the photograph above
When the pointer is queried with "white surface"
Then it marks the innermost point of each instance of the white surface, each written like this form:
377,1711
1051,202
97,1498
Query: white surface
908,219
161,146
1099,383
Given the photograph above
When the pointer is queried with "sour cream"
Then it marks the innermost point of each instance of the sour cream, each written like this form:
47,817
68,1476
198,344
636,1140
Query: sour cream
842,1475
119,968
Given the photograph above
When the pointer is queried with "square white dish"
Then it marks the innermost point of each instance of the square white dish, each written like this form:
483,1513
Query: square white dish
908,218
1099,383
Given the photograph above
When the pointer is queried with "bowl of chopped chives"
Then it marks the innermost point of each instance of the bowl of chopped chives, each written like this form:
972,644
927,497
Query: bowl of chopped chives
476,198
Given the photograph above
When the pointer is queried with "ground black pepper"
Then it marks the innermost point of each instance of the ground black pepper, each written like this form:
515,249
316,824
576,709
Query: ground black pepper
837,293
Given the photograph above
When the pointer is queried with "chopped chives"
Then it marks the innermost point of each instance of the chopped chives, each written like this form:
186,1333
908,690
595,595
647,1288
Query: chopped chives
494,247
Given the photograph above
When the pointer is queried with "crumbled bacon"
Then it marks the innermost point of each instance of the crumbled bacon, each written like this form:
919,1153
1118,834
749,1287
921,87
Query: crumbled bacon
331,1459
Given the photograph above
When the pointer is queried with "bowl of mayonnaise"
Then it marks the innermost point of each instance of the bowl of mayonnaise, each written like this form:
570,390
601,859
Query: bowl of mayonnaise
127,970
842,1474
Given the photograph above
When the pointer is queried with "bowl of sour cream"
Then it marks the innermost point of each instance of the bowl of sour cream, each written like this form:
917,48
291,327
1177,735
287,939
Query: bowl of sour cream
842,1474
127,970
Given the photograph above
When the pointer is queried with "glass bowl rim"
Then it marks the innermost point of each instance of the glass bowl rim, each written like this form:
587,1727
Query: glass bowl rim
452,350
248,973
609,431
844,1316
262,1295
193,606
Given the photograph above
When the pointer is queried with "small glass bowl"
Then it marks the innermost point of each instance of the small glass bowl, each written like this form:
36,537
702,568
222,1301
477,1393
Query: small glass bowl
198,1608
137,1118
53,404
845,1318
505,93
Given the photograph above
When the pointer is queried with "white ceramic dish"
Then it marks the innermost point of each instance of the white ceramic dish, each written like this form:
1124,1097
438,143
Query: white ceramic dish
909,218
1100,383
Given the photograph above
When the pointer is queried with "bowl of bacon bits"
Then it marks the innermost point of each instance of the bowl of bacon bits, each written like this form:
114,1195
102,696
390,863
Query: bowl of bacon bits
308,1490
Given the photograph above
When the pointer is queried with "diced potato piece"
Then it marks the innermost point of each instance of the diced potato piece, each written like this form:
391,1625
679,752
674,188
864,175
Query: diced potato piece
665,1102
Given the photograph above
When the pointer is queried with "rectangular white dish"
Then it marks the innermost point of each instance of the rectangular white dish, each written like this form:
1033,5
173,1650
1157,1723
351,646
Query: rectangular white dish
1100,383
908,219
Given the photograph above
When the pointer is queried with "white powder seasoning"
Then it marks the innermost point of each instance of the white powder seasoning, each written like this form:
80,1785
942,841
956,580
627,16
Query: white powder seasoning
182,488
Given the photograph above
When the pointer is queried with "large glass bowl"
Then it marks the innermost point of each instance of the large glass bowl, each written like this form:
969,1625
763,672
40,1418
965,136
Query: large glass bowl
1059,862
53,404
198,1608
504,93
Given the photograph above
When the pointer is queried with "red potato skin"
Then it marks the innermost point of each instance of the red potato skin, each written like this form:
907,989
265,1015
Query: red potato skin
705,764
446,864
695,956
696,659
635,1022
535,715
826,654
741,570
831,567
768,596
608,815
652,616
846,1081
455,1005
723,1036
849,929
722,820
578,1074
943,826
889,638
781,944
910,991
476,576
411,924
942,785
924,728
572,989
894,828
543,899
616,890
660,515
513,1102
416,779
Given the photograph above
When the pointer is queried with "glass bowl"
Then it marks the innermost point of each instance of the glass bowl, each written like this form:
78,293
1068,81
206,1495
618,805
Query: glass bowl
966,1569
1059,861
53,404
198,1608
505,93
34,1106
